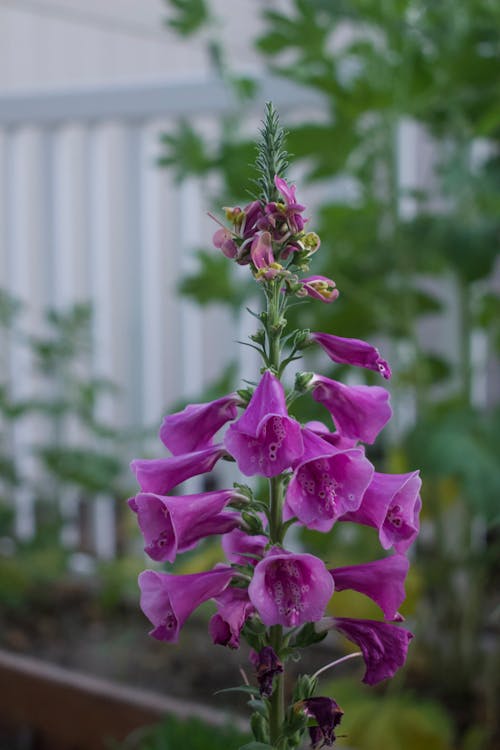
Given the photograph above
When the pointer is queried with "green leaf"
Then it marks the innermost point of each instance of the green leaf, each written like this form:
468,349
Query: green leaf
248,689
214,282
257,746
185,152
190,16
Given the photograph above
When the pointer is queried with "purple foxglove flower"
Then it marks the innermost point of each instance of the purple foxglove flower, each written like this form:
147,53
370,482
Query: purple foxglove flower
267,665
290,589
392,505
265,440
168,600
223,240
326,483
233,610
319,287
160,475
175,524
352,352
293,209
381,580
253,212
262,256
328,714
338,441
237,545
384,646
193,428
359,411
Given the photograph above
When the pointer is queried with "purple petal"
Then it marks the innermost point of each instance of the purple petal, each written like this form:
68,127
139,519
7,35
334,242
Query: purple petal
352,352
237,544
384,646
319,287
193,428
160,475
327,485
233,610
381,580
167,600
290,589
392,505
359,411
265,440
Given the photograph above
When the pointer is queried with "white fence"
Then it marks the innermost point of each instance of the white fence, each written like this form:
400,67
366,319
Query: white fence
86,215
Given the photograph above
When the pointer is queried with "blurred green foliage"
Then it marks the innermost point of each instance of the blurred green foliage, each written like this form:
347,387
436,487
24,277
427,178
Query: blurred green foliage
377,67
173,734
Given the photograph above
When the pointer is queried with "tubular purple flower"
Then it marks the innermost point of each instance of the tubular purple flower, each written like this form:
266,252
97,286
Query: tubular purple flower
382,580
237,545
223,240
233,610
160,475
265,440
290,589
292,208
384,646
319,287
359,411
193,428
167,600
341,442
328,714
262,256
175,524
267,665
352,352
392,505
326,483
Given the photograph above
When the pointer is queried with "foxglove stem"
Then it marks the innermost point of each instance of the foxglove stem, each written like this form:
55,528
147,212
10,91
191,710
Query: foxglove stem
335,663
277,699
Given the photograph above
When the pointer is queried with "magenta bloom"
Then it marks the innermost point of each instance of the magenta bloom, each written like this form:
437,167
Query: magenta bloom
175,524
168,600
359,411
326,483
392,505
328,714
290,589
233,610
382,580
319,287
352,352
193,428
339,441
223,240
160,475
265,440
292,210
262,256
384,646
237,545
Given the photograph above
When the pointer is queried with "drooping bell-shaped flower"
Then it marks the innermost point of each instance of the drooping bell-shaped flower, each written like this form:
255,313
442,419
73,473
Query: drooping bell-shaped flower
233,610
359,411
239,547
382,580
326,483
290,589
160,475
339,441
319,287
392,505
267,665
193,428
168,600
352,352
265,440
328,715
384,646
175,524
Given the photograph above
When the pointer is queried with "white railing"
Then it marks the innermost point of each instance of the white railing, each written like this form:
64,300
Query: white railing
86,215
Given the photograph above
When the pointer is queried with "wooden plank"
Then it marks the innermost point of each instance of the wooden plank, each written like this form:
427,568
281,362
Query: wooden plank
69,710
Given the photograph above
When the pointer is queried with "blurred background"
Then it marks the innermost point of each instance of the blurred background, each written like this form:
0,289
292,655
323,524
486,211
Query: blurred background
121,125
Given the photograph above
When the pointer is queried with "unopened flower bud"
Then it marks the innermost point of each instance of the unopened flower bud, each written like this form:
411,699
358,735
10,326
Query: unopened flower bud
303,382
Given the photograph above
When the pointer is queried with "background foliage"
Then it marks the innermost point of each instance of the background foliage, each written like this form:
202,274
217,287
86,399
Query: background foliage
398,256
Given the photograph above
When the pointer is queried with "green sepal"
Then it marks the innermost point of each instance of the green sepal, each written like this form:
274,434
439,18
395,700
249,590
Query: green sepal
260,707
254,524
260,727
307,635
304,687
248,689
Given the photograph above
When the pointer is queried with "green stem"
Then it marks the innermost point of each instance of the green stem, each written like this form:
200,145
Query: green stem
277,699
465,339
